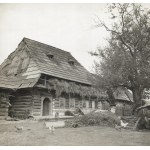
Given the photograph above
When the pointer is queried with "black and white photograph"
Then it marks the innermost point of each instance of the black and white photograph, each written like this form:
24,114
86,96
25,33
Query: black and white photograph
75,74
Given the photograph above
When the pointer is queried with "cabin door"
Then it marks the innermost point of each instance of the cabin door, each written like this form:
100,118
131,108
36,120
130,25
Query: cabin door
46,107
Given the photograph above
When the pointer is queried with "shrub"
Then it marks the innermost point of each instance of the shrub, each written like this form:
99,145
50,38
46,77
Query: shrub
95,118
68,113
78,111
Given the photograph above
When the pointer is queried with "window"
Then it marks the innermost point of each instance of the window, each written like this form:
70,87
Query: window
72,103
90,104
80,104
62,102
84,104
96,104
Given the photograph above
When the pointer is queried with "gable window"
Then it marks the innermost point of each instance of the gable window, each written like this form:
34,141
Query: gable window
50,56
71,62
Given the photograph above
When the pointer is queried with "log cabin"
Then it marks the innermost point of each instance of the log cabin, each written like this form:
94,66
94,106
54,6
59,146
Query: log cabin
40,80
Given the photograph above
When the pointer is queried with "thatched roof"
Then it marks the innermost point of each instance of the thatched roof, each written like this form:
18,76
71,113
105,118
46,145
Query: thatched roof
35,58
74,88
122,93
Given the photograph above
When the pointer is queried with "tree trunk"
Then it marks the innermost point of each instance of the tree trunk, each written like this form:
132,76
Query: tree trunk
137,97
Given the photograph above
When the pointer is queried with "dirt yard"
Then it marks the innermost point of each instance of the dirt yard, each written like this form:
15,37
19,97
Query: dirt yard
35,134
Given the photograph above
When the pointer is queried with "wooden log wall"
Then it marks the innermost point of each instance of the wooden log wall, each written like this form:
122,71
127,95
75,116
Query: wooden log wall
56,103
38,95
37,105
22,104
4,104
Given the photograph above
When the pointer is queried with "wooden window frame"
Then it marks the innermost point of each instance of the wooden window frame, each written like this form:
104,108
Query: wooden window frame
72,99
64,103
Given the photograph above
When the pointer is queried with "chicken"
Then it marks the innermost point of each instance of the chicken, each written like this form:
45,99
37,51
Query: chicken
52,129
123,124
19,128
118,127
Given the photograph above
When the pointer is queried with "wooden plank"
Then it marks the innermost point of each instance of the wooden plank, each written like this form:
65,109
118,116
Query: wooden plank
3,103
24,96
20,112
33,76
4,106
3,114
36,72
21,109
36,114
3,109
22,102
20,106
37,103
36,107
32,68
37,110
37,100
136,124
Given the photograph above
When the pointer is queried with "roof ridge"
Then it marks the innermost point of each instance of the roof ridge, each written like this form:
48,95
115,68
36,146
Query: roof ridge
27,39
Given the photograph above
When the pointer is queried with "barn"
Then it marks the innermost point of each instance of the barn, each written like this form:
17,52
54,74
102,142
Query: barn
40,80
123,101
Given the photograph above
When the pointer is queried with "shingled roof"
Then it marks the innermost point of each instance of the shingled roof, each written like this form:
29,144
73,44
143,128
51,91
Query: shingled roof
59,65
16,83
41,59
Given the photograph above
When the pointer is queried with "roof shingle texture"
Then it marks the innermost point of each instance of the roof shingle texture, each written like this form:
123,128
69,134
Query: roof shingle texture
59,65
16,83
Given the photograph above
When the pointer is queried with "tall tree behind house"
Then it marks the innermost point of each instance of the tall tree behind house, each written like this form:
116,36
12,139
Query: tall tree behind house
125,61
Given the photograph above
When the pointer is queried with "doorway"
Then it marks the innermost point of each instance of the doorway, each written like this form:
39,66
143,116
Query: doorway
46,107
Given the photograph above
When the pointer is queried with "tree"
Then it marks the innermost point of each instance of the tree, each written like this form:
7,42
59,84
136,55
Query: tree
125,61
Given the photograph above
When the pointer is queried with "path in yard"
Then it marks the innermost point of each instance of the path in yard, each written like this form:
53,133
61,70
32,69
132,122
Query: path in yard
37,135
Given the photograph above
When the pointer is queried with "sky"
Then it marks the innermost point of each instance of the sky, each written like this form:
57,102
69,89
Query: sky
65,26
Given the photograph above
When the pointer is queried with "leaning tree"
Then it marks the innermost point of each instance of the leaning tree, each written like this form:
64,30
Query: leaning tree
125,61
